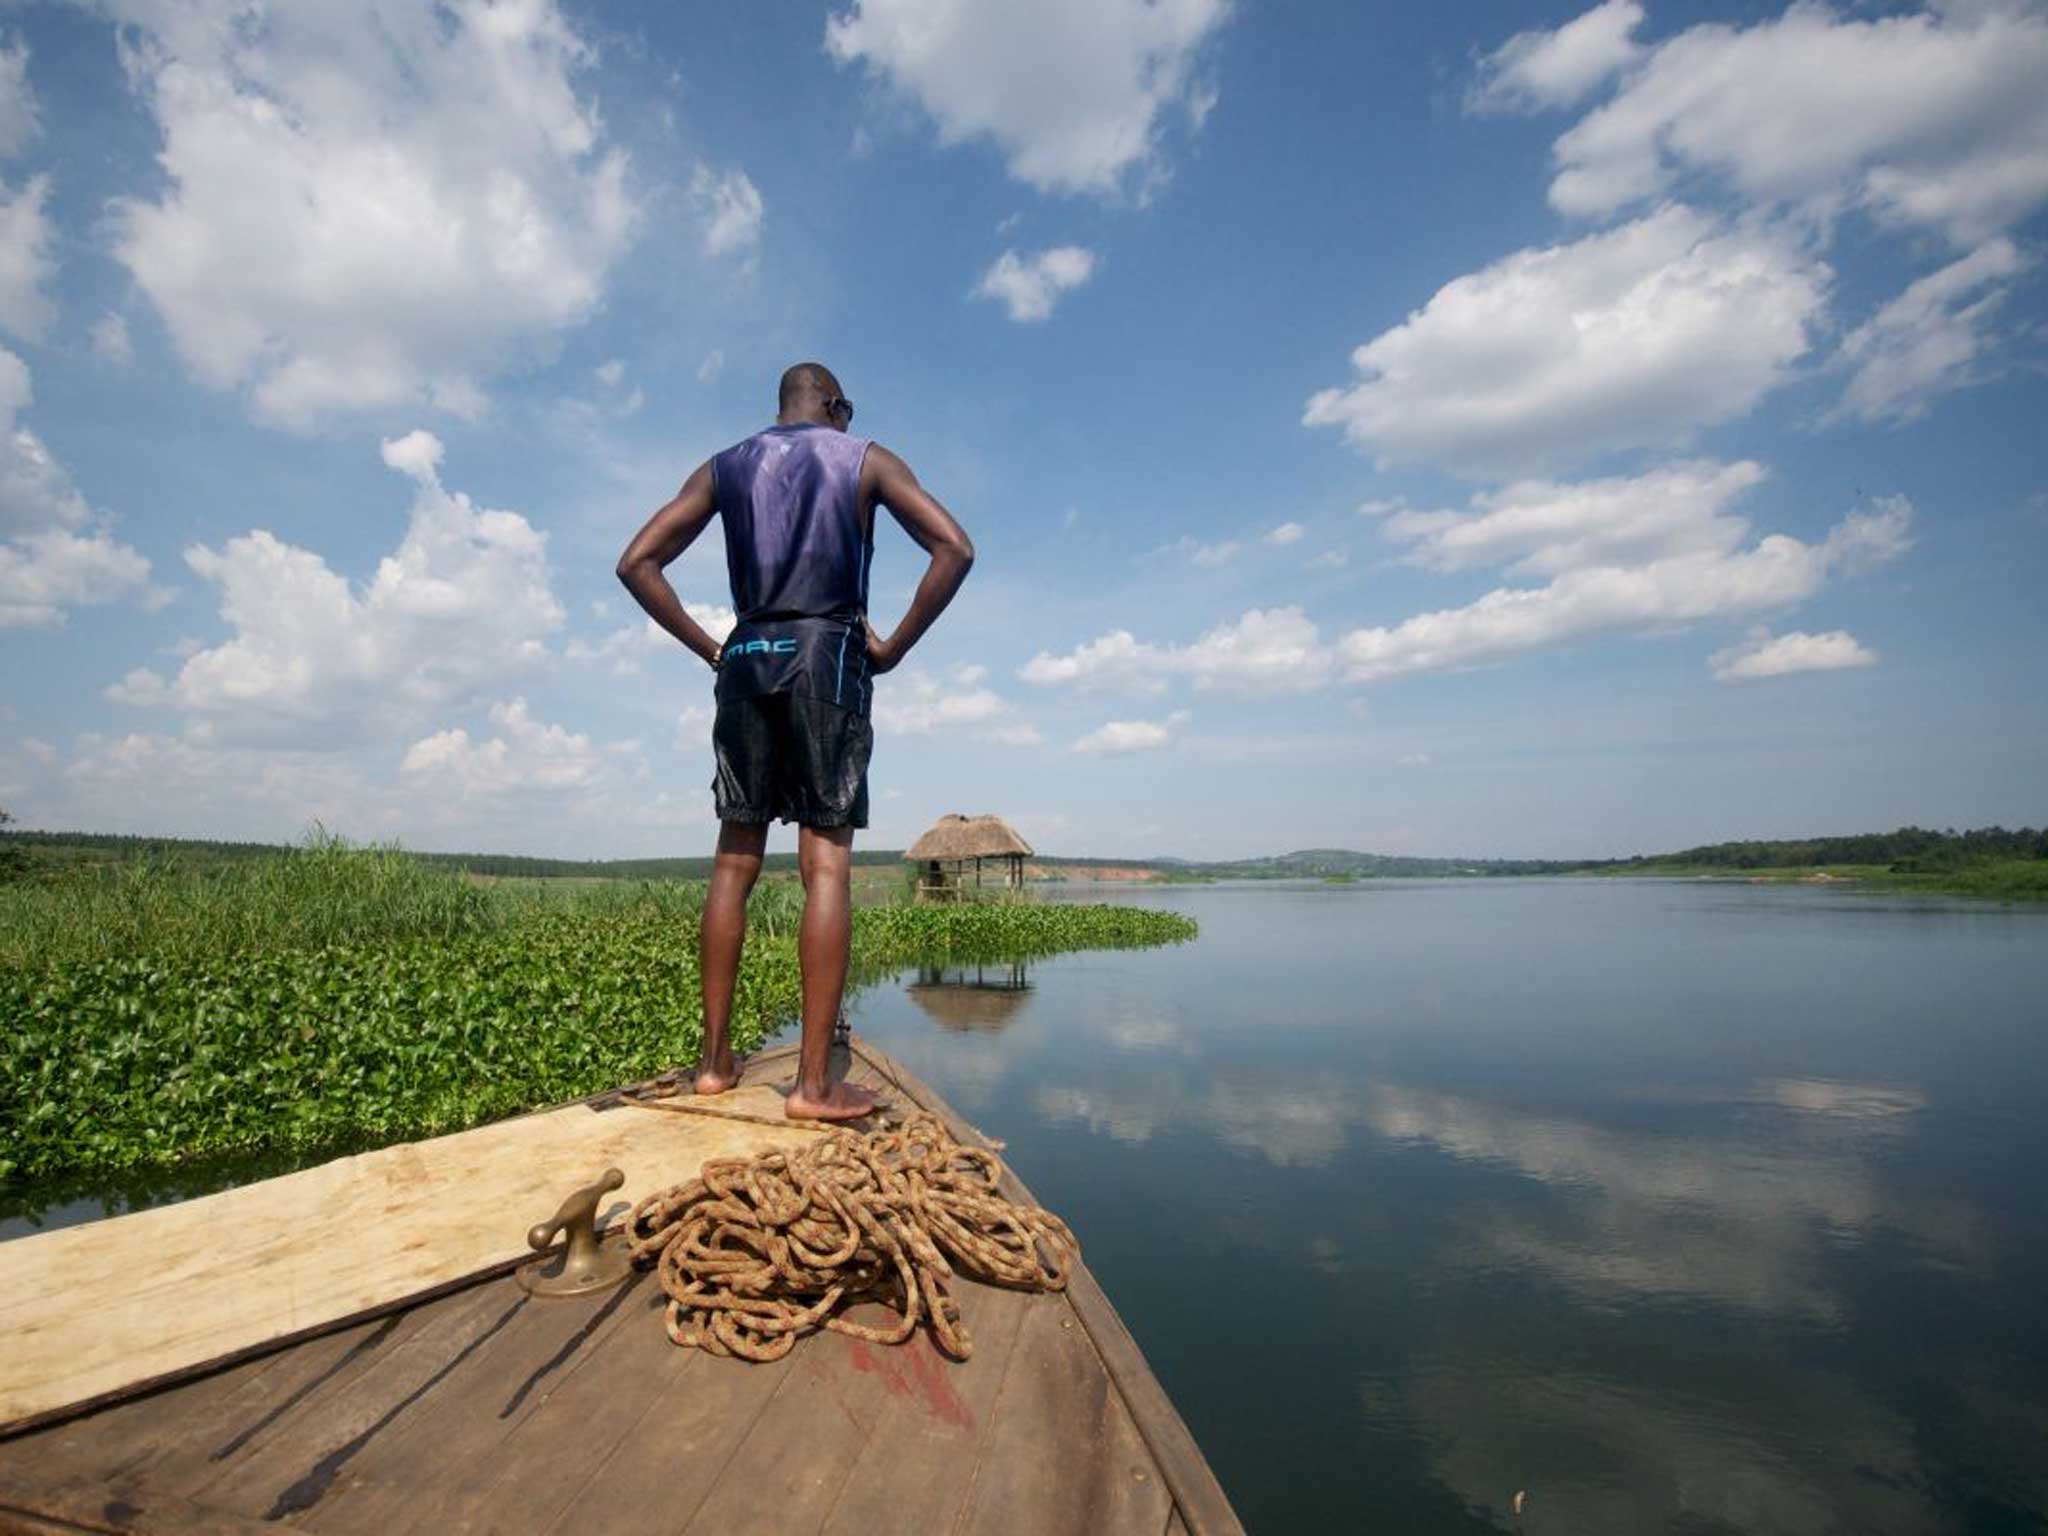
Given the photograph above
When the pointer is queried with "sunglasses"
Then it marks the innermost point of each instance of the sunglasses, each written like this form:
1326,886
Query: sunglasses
841,407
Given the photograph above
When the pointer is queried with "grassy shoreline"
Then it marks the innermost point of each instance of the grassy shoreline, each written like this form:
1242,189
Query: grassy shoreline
337,998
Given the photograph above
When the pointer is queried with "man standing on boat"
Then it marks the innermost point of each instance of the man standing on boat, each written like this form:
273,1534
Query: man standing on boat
795,678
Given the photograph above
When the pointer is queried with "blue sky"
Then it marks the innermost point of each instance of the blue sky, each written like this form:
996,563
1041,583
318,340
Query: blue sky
1483,429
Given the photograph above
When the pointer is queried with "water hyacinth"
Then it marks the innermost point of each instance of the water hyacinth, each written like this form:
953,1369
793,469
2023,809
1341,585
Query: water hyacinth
336,998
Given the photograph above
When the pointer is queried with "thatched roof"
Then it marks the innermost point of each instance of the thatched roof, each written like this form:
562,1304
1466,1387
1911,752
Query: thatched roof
968,837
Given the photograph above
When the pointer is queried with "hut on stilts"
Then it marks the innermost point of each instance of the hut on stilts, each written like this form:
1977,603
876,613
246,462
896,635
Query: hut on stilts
954,843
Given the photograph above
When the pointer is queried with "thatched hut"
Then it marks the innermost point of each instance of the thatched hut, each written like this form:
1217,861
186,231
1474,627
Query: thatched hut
955,842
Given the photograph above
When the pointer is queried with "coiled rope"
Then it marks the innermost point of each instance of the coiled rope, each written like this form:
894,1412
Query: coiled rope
756,1252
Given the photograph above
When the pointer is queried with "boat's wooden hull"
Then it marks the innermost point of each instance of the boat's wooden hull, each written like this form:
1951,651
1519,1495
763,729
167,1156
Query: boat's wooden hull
489,1410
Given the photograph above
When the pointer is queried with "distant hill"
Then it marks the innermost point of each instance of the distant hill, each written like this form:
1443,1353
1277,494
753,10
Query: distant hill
1327,863
1909,850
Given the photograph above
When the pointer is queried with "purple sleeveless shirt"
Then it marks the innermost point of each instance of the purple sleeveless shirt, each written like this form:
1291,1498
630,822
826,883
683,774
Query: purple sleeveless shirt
797,555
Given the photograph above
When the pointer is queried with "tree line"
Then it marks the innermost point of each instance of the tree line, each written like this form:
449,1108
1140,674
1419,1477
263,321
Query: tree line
1907,850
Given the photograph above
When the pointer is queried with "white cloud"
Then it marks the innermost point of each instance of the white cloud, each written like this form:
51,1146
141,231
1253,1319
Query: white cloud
164,784
110,342
45,573
1264,651
142,688
517,785
1776,572
1269,651
522,755
913,702
1330,560
1930,339
1029,286
1624,555
26,265
417,454
1286,533
1116,737
367,203
35,491
730,209
55,558
712,366
693,727
1632,337
1071,91
1540,69
1117,660
1934,118
611,373
628,647
1543,528
1767,655
20,123
463,601
1208,556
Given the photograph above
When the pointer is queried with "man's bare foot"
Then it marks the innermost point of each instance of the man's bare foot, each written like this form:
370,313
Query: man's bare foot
718,1075
842,1101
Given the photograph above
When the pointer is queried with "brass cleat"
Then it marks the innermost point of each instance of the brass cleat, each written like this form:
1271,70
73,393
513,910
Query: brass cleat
584,1262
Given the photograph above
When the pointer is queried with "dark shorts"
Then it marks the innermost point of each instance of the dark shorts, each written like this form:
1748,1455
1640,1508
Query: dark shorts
786,757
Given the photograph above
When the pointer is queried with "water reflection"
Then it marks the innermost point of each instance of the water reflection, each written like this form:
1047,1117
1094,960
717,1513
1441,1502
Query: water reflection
1687,1271
1733,1216
980,999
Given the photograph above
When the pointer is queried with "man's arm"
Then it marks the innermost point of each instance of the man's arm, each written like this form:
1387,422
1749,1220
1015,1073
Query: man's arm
667,534
932,527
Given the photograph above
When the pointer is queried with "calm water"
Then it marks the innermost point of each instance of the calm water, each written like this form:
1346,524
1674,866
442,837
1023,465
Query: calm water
1681,1207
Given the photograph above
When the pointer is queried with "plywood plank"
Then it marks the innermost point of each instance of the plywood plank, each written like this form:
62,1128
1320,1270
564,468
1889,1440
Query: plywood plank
95,1310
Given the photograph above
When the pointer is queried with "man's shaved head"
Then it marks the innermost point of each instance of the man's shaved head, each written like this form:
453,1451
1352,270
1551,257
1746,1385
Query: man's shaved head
806,385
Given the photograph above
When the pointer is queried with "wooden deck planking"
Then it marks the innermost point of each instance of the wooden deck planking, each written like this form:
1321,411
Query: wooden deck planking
564,1451
449,1438
656,1467
487,1411
932,1423
35,1507
1062,1452
1196,1494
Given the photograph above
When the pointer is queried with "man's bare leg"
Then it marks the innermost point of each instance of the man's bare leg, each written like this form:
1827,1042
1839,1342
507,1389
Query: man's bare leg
824,856
719,941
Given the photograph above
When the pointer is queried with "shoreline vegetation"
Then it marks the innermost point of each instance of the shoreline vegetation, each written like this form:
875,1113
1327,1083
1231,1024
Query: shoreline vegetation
271,1010
1991,862
173,1005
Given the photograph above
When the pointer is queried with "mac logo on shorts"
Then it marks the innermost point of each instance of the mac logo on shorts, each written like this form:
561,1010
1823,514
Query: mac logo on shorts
772,647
